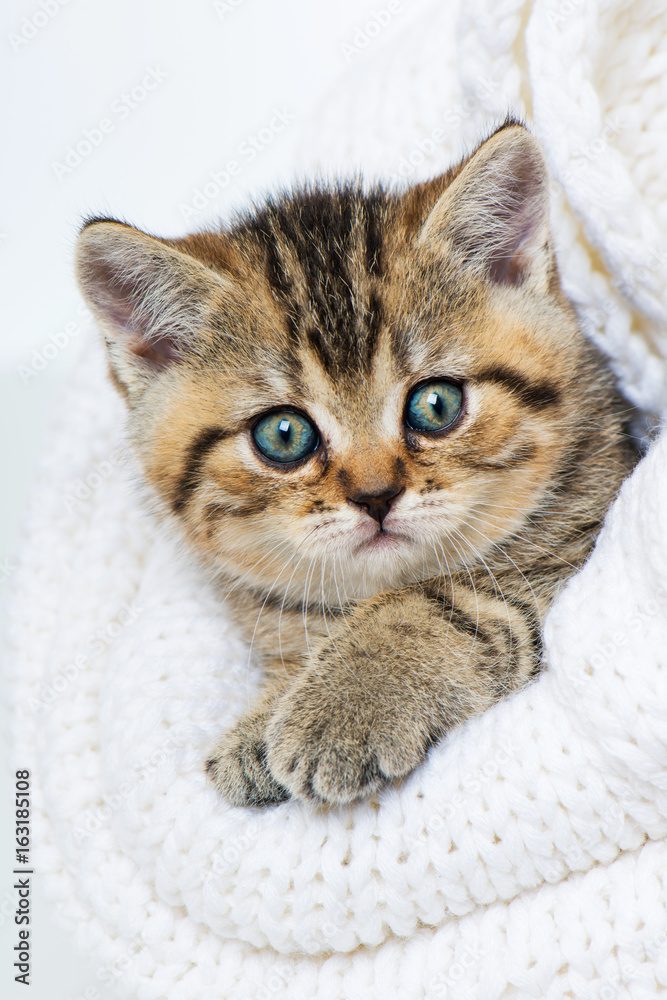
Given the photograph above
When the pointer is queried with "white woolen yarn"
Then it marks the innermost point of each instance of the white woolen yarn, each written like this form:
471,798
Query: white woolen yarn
528,856
590,78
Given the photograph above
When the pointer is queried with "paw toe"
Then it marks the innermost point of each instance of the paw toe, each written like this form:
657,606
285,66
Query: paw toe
342,778
240,774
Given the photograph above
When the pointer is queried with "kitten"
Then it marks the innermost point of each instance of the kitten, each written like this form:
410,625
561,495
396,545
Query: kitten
374,416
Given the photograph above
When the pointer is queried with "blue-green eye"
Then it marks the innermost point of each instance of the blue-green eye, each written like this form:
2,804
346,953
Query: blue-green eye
284,436
433,406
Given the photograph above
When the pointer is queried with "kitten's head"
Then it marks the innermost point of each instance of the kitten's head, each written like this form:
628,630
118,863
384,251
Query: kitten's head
346,390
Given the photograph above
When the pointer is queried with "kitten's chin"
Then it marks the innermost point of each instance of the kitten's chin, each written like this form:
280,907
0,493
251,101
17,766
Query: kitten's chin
384,561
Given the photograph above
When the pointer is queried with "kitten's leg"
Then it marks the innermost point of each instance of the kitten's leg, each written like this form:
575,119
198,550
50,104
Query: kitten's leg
401,671
237,765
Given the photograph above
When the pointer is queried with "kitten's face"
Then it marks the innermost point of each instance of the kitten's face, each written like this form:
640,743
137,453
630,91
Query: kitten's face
347,392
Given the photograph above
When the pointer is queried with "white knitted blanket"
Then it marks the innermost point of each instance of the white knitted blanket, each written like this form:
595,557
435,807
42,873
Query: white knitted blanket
527,857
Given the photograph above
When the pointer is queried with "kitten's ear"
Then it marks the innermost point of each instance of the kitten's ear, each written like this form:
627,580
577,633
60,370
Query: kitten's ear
150,299
495,213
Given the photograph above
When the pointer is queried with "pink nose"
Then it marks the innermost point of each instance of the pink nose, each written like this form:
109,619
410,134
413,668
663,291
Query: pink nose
377,506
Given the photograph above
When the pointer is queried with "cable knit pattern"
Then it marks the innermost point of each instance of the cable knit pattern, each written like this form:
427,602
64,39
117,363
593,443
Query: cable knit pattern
528,856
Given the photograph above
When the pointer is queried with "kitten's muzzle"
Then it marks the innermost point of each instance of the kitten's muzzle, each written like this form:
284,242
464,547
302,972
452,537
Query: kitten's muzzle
377,506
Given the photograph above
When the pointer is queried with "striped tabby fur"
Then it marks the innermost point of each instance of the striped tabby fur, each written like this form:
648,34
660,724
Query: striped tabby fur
378,632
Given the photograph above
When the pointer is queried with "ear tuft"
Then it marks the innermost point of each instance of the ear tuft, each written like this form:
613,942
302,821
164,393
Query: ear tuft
150,299
494,216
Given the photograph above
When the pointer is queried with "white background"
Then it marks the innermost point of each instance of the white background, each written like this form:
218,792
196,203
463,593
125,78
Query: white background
64,68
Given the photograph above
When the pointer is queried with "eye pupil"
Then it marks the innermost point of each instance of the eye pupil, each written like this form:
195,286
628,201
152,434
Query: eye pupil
436,402
285,429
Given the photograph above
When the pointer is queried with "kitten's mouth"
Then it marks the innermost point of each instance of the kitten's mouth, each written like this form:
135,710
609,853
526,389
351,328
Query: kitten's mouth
383,541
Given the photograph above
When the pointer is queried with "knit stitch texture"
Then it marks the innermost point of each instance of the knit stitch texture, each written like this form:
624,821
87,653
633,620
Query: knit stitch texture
527,857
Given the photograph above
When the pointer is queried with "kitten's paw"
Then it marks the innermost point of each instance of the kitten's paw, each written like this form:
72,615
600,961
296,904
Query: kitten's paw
238,766
324,747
